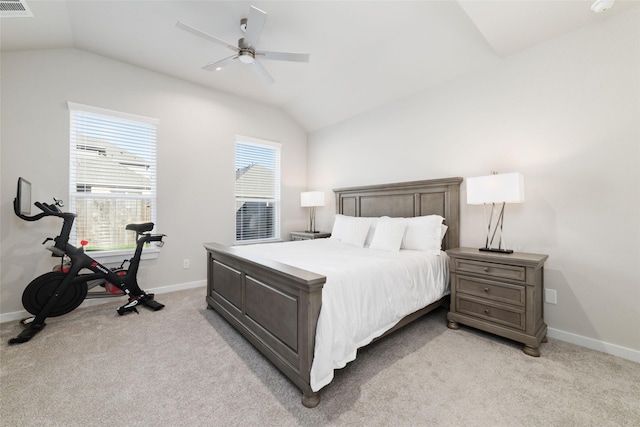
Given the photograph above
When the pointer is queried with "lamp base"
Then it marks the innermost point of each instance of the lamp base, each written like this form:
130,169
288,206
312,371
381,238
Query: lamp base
502,251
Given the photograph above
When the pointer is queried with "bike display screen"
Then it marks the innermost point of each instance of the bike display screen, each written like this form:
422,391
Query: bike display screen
24,196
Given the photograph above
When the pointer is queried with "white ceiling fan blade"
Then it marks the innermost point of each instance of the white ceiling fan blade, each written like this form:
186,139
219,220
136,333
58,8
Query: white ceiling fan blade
285,56
219,64
262,72
204,35
255,24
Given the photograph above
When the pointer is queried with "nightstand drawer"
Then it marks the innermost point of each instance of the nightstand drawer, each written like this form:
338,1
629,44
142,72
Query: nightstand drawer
511,317
503,271
502,292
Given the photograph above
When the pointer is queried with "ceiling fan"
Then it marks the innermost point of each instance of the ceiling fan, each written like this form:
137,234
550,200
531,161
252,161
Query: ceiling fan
246,51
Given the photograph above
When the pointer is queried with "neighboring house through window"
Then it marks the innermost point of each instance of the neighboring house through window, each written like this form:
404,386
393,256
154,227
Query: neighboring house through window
257,190
112,176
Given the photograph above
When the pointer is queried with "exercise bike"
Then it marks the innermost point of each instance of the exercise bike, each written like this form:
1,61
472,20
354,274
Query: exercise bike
61,291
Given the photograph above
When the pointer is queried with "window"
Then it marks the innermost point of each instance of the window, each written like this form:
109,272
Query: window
257,190
112,176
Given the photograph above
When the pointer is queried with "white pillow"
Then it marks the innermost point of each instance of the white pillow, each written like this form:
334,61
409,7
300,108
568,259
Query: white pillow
342,223
339,226
356,231
373,222
389,233
443,231
424,233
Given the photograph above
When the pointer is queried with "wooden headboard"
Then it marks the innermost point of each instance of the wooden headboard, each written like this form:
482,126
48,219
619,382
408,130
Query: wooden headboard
407,199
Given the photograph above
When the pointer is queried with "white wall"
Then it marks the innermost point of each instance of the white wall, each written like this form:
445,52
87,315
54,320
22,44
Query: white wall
196,177
566,114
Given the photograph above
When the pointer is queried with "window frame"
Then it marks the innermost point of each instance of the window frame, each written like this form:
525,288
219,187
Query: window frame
277,200
114,255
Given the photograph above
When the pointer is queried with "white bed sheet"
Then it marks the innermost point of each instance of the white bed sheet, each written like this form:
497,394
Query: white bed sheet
366,293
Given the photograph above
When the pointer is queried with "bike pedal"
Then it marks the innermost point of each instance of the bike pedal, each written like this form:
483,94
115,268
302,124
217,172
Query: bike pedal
130,306
125,310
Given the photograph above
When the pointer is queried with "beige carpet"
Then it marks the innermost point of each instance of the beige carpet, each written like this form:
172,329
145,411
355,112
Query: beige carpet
185,366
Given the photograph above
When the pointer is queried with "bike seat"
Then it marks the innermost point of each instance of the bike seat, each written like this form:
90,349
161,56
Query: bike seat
140,228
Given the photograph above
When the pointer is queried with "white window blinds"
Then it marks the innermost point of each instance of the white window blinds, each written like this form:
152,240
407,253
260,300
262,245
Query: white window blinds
257,190
112,175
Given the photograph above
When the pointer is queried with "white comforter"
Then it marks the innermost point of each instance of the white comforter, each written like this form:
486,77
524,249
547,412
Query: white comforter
367,292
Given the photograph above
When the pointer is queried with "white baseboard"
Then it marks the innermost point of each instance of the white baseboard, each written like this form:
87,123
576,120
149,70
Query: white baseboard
18,315
615,350
178,287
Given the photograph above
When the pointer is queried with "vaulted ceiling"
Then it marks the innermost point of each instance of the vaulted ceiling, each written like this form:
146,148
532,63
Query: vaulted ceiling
363,54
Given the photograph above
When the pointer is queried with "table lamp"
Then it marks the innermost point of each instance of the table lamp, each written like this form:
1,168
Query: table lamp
312,199
495,190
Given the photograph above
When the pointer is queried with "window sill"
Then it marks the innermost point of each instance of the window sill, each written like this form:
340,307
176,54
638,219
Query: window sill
116,257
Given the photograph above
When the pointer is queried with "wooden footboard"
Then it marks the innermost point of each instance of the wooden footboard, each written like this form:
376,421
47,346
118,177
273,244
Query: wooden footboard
275,306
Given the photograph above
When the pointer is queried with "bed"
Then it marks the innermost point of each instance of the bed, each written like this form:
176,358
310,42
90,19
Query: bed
277,305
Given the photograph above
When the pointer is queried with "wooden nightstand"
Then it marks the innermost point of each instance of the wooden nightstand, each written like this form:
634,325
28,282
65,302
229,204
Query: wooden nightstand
499,293
306,235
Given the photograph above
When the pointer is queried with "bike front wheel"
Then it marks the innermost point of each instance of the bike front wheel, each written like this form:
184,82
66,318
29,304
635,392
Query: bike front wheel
42,288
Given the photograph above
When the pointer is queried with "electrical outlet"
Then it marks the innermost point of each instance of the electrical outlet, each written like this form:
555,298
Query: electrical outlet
185,263
550,296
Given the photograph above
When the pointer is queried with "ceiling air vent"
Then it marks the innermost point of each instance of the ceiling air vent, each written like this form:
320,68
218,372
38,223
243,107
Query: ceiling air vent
14,9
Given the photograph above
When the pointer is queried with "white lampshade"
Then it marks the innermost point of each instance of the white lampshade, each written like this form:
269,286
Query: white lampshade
499,188
312,198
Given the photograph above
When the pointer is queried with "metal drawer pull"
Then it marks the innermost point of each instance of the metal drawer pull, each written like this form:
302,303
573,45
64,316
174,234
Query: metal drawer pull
486,311
486,289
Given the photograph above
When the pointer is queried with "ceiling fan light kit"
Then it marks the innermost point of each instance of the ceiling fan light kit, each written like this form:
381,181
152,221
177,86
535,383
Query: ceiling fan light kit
246,50
246,57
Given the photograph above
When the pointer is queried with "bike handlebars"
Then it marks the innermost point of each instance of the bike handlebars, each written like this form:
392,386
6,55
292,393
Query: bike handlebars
16,209
69,217
53,210
47,210
50,210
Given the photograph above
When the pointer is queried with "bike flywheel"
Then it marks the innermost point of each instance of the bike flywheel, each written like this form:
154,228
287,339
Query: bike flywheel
38,292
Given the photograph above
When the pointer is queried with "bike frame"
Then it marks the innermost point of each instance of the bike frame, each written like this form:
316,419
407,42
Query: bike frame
80,261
